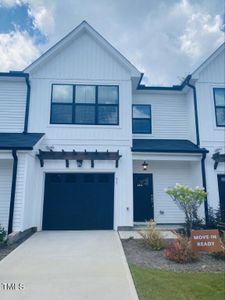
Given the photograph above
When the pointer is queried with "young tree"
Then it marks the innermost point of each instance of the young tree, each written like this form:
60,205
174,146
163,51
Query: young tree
188,200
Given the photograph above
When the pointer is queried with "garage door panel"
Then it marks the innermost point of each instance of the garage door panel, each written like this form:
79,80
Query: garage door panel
78,201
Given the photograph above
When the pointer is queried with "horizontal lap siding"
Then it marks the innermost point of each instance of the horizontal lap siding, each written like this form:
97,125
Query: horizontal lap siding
12,105
5,191
167,174
20,193
169,115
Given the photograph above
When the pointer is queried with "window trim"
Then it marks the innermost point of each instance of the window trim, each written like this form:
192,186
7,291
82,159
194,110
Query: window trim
96,105
217,106
147,119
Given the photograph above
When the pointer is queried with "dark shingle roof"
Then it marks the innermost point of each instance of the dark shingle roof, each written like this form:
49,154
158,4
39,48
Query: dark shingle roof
159,145
19,141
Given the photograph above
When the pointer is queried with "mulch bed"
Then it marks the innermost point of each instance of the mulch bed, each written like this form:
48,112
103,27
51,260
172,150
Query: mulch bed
138,253
6,249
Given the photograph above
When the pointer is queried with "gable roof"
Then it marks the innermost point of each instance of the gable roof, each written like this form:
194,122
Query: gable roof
164,145
84,27
209,59
19,141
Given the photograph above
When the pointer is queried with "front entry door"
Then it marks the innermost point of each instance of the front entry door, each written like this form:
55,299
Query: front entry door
221,184
143,197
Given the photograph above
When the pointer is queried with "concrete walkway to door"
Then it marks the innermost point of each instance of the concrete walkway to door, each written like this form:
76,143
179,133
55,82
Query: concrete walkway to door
68,265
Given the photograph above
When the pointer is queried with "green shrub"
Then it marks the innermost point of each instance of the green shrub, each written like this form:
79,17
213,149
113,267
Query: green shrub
214,217
152,236
2,234
189,201
180,251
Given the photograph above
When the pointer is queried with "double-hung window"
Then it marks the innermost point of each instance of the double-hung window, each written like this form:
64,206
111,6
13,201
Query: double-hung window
141,122
85,104
219,101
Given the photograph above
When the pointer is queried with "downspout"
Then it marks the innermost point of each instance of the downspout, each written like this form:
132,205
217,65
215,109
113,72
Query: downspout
204,186
27,104
198,144
196,110
13,191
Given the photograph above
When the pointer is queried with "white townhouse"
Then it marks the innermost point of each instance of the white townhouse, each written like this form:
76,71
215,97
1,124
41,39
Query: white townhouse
85,145
209,81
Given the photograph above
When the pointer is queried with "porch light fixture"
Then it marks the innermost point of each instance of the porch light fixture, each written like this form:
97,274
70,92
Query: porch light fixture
79,163
145,166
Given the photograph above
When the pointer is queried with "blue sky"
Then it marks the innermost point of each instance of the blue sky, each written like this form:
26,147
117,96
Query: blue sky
17,18
165,39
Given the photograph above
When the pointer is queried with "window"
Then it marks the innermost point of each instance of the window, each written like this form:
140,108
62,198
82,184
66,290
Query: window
85,104
142,119
219,100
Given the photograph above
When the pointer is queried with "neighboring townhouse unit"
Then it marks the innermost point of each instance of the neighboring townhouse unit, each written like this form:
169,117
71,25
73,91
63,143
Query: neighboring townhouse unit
209,81
84,145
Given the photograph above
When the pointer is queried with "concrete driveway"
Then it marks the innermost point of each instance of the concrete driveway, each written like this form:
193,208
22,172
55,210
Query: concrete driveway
68,265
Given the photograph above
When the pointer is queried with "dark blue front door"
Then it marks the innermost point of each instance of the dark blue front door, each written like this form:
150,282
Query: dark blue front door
143,197
78,201
221,184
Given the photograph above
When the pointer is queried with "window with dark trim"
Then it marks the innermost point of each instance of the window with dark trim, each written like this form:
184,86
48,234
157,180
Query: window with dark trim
141,121
85,104
219,101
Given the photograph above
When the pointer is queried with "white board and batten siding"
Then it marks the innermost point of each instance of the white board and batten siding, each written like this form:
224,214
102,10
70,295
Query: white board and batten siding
12,104
83,61
5,190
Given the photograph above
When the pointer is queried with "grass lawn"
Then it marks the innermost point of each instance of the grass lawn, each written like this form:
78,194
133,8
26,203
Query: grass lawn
152,284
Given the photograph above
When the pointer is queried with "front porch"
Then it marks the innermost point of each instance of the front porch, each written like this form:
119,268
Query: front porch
163,170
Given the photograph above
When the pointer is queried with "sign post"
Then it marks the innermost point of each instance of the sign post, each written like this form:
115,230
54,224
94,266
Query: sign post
206,240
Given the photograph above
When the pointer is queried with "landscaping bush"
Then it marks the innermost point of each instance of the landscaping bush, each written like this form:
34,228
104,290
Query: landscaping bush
214,217
220,254
2,234
152,236
180,251
189,201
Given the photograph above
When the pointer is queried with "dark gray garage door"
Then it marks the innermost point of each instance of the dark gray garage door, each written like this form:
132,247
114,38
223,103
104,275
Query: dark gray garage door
78,201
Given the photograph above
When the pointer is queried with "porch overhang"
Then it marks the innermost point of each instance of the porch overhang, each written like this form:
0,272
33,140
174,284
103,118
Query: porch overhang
166,146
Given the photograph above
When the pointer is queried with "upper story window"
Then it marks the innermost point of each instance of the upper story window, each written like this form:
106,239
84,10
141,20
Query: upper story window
85,104
142,118
219,100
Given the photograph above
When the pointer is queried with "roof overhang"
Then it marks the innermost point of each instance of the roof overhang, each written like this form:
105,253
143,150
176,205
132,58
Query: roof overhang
19,141
166,146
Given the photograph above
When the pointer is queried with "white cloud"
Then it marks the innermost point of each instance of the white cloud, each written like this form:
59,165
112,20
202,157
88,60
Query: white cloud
165,39
10,3
17,50
41,11
42,16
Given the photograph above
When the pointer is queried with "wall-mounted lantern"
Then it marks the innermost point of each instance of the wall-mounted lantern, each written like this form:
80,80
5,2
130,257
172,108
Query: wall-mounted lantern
145,166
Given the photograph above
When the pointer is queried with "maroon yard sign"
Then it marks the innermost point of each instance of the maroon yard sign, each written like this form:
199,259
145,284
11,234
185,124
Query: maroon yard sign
206,240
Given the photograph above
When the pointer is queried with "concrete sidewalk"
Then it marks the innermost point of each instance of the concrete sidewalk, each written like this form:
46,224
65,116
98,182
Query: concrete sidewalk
68,265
